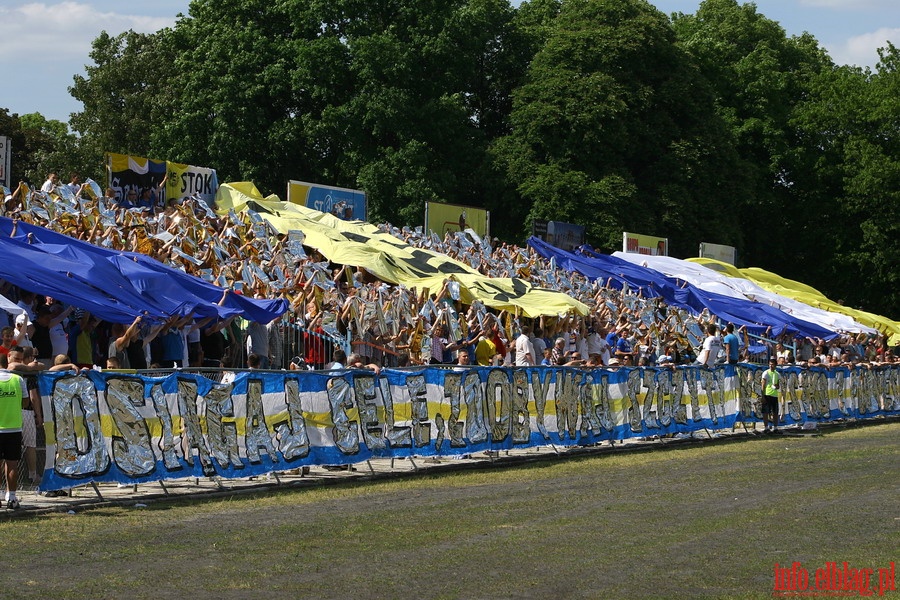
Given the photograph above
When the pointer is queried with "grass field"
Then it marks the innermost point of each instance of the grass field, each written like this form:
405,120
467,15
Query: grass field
707,520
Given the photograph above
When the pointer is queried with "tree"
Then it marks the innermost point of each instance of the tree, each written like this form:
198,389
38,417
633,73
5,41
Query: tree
21,143
126,90
850,123
759,75
41,146
428,87
58,150
613,130
399,98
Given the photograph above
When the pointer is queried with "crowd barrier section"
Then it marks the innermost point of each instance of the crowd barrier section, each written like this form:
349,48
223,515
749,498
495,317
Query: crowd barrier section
134,428
314,347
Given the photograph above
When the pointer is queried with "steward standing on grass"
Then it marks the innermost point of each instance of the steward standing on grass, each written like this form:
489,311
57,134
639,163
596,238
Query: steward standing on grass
770,383
12,390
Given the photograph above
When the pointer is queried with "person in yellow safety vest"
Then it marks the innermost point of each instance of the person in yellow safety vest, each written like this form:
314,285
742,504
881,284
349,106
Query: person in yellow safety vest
12,390
770,382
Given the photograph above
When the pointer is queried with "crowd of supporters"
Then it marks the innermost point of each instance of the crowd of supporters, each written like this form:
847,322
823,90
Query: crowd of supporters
333,305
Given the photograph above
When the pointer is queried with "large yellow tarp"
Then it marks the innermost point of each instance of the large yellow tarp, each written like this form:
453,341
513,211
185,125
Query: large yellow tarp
806,294
390,259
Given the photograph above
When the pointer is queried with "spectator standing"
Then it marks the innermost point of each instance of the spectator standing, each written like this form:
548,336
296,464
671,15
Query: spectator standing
12,390
712,346
624,349
732,345
75,186
770,383
485,352
275,330
51,183
596,342
258,342
558,353
537,340
440,345
119,339
83,341
525,349
31,411
59,337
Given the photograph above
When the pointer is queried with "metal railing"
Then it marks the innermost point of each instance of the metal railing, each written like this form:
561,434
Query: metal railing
315,347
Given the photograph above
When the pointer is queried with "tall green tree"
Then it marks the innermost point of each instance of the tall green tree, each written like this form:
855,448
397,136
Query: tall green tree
57,149
399,98
615,129
431,88
41,146
125,94
850,123
23,144
759,75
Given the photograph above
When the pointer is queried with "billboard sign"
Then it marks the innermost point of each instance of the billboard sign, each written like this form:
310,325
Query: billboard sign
344,203
720,252
637,243
565,236
5,161
442,218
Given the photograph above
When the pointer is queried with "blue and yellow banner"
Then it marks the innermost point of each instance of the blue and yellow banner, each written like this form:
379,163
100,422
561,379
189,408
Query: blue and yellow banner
127,173
133,428
343,203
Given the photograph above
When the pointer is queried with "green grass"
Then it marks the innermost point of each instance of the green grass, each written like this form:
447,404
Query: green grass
685,521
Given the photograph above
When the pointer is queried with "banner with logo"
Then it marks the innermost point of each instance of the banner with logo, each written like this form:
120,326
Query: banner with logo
133,428
131,175
127,173
638,243
343,203
190,181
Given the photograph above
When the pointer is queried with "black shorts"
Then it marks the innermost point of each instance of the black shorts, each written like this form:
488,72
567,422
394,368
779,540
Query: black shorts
770,404
11,445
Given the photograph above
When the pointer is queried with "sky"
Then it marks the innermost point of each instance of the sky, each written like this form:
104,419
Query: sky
43,45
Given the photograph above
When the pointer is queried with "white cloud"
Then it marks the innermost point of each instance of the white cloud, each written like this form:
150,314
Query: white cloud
862,50
55,32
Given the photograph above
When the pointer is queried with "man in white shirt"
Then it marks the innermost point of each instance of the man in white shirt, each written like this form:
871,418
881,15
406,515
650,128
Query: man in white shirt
712,345
525,349
51,183
596,342
59,337
75,186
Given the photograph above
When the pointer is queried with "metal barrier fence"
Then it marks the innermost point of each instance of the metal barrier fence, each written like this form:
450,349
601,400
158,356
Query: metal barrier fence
314,347
762,357
380,355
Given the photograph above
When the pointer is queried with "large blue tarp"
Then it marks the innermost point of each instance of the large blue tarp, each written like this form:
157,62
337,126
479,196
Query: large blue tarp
650,283
113,285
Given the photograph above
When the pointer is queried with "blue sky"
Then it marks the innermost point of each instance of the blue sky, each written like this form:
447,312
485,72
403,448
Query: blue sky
44,44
